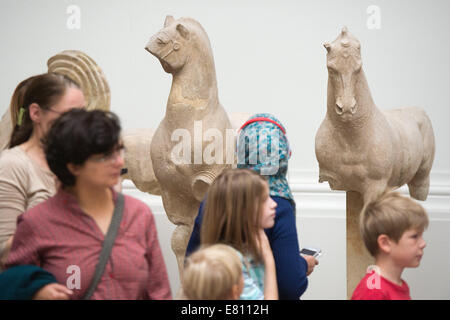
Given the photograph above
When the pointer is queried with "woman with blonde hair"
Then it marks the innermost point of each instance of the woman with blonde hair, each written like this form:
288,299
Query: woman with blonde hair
213,273
238,209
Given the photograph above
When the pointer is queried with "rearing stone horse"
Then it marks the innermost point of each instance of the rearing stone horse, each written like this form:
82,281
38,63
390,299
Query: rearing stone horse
361,148
184,50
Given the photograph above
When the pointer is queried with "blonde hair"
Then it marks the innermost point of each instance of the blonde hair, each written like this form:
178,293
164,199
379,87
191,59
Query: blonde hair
392,215
211,272
232,210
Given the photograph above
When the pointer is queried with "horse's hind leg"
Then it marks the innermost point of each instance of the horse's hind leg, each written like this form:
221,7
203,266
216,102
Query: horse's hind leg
419,186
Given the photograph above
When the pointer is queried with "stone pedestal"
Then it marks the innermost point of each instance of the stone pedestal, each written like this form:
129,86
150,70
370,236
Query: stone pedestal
358,258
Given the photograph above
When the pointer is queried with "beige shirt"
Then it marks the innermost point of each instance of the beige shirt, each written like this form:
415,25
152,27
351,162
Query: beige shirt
23,184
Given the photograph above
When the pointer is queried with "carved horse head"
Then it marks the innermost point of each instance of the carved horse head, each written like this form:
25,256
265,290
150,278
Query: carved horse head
179,42
344,68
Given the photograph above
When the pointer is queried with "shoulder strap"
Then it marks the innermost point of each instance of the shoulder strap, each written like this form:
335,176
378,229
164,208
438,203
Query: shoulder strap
107,245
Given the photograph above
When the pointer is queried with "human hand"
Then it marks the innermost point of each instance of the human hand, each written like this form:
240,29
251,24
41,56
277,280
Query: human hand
270,275
265,245
53,291
312,262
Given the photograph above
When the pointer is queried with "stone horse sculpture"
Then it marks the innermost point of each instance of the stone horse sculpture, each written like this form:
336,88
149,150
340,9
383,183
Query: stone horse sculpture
184,50
361,148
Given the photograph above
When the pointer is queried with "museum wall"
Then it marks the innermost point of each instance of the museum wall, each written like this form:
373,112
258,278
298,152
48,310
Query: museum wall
269,57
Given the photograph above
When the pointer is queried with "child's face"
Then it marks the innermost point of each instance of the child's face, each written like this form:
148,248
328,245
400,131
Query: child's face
408,251
268,206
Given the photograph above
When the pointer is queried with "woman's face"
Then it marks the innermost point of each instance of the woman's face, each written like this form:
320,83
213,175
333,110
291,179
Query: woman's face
267,209
102,170
72,98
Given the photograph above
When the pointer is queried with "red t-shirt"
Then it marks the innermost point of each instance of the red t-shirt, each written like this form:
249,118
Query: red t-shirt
375,287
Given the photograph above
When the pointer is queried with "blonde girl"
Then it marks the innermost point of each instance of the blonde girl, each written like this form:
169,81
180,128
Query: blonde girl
213,273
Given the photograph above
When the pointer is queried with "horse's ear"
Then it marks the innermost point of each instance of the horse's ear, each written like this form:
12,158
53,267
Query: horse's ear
327,46
344,31
169,20
183,31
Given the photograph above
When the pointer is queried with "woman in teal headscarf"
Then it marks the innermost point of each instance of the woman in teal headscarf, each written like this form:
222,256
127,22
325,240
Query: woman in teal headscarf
263,146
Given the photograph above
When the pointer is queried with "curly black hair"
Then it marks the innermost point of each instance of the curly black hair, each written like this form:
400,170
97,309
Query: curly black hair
75,136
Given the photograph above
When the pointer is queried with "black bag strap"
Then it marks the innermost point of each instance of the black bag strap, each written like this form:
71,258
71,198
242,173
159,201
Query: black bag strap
108,243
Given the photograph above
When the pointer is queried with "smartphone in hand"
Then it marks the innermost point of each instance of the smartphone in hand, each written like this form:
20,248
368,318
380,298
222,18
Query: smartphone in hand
316,253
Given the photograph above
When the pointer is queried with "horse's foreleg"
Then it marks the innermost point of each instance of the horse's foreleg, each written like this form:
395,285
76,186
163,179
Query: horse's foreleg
181,212
179,242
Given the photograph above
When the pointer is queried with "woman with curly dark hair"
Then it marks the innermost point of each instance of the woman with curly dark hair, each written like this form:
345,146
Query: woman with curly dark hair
67,234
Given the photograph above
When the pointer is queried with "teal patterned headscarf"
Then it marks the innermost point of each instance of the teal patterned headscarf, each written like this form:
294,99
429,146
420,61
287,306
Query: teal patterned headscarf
262,146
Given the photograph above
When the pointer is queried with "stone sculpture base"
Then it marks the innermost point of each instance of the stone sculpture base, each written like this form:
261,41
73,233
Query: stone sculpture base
358,258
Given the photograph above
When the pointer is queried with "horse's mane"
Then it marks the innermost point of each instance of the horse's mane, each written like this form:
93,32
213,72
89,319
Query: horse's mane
198,29
192,21
346,43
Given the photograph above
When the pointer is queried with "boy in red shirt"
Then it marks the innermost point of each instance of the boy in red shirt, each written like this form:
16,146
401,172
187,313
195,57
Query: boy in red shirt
392,229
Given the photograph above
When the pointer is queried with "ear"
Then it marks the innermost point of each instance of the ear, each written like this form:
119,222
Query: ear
327,46
169,20
235,292
344,31
183,31
74,169
384,243
35,112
